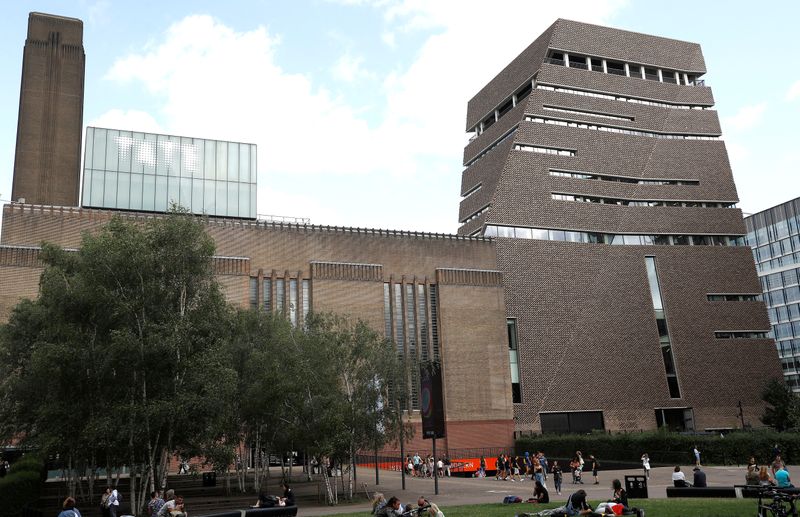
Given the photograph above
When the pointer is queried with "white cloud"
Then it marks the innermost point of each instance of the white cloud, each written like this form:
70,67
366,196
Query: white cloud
793,92
389,39
746,118
348,68
216,82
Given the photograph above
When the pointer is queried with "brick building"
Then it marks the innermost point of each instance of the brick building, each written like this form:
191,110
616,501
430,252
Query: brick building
598,222
596,164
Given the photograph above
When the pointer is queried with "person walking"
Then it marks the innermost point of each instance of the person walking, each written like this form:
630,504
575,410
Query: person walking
646,465
696,452
595,465
545,464
113,502
557,476
482,471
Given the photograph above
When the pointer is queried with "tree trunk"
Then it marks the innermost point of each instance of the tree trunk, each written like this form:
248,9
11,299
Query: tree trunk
329,497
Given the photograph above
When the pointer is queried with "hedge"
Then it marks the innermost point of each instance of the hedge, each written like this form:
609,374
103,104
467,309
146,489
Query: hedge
667,448
21,486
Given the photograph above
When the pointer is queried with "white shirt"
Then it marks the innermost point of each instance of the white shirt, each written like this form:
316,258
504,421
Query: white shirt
646,462
114,497
676,476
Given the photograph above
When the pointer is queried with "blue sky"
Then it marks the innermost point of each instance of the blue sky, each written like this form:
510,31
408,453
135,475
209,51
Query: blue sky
358,106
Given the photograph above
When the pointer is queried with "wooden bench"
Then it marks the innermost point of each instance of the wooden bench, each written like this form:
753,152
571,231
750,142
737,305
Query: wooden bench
275,511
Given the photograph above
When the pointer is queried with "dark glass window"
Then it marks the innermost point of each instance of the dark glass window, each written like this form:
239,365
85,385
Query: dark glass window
513,355
572,422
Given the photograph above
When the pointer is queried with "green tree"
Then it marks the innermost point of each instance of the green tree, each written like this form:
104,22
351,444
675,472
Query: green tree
122,359
783,407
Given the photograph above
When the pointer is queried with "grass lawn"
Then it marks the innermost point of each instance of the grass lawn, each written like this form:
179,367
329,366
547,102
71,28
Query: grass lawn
653,507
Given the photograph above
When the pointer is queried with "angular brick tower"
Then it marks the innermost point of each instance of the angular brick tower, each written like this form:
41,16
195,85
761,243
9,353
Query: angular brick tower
48,155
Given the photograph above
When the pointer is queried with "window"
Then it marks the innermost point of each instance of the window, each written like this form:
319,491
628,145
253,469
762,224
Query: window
253,293
646,102
663,331
587,113
616,129
492,230
306,299
572,422
280,295
293,301
544,150
733,297
267,294
621,179
699,240
740,334
513,355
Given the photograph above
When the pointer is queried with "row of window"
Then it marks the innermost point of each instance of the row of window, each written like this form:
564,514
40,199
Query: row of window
733,297
635,202
607,66
504,108
789,347
544,150
780,280
786,330
740,335
609,238
607,96
620,179
784,313
774,232
776,249
491,147
777,263
782,296
622,130
475,215
274,298
410,313
133,191
587,113
472,190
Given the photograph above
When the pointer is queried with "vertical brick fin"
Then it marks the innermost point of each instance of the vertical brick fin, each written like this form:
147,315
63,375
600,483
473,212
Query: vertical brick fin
233,266
476,277
347,271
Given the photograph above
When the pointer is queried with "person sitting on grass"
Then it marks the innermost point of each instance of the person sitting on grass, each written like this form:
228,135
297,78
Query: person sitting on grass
540,493
576,505
392,508
679,478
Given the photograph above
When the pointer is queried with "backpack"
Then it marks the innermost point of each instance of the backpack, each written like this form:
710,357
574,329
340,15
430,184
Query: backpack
511,499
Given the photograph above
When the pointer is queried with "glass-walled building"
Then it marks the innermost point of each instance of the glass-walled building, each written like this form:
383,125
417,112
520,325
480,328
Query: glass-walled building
126,170
774,235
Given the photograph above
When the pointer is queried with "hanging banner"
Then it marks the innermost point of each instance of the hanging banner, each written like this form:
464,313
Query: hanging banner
431,406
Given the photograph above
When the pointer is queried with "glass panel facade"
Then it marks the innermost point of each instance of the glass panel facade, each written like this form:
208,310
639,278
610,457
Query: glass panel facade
126,170
774,235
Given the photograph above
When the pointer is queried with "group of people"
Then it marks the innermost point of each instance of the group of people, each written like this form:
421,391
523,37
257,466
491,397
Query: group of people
776,475
577,504
518,468
698,479
381,507
417,466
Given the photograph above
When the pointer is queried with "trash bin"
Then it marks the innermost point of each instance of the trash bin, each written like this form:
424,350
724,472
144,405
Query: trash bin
636,487
209,479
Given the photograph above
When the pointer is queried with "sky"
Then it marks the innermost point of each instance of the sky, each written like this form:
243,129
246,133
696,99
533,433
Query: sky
358,107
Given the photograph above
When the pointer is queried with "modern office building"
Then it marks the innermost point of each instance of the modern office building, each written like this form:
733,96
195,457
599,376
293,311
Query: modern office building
774,236
48,155
600,278
597,165
125,170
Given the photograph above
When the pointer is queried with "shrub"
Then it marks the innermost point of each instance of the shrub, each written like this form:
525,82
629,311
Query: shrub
668,448
17,490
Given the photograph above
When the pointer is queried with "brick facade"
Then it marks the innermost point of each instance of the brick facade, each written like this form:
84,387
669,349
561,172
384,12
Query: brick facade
48,153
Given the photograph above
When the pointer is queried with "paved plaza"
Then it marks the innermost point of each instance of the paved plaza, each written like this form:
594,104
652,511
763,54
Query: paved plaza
463,491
